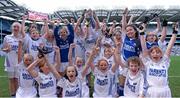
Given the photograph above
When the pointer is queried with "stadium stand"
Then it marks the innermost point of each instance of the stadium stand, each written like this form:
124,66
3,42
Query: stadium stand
10,11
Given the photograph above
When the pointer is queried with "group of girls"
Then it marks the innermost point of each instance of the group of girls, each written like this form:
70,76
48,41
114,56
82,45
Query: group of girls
126,60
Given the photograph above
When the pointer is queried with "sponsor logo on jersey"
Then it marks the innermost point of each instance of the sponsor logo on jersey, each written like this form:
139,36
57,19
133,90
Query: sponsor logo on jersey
102,82
46,85
131,87
129,48
72,93
157,72
27,76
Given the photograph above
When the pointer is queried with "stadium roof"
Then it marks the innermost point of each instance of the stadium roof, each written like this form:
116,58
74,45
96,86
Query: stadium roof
10,9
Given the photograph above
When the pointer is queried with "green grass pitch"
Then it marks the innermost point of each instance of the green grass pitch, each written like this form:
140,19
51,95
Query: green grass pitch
174,77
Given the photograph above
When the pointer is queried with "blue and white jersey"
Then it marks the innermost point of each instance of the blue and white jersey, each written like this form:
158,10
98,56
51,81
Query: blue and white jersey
26,83
161,44
31,45
150,44
130,48
157,73
49,45
91,39
80,47
103,83
106,40
64,44
73,90
47,84
12,56
134,85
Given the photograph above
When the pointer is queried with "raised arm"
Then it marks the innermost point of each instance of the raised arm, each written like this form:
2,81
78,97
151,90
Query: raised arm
97,24
56,30
73,45
45,28
53,67
31,68
70,29
124,20
172,40
158,28
78,24
117,54
23,26
89,62
130,20
57,57
143,41
20,51
164,31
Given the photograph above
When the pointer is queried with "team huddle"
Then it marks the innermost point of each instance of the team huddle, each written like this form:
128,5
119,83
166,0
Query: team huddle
124,59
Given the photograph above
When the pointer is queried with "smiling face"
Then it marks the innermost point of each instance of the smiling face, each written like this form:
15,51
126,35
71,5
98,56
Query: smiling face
151,37
155,53
108,51
103,65
134,65
79,62
63,33
16,27
28,59
50,36
33,27
35,35
71,73
130,32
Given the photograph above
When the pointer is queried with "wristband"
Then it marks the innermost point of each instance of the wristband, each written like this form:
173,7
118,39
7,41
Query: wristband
175,32
142,33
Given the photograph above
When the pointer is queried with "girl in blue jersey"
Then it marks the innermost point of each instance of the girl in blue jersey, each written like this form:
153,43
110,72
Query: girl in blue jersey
152,38
156,66
63,41
131,44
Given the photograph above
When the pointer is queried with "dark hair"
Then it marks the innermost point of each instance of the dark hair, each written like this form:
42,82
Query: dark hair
65,75
135,29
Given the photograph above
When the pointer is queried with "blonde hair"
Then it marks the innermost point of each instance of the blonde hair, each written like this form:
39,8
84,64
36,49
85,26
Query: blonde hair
17,24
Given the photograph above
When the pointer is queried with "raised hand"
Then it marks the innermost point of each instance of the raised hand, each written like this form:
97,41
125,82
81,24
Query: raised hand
25,17
7,47
73,45
66,21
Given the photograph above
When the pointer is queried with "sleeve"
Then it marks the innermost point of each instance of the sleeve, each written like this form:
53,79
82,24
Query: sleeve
38,78
124,72
61,82
166,60
95,71
56,35
162,45
26,41
145,60
141,86
4,41
71,35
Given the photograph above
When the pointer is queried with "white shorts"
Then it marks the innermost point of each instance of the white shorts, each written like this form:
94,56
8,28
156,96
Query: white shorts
159,92
26,92
13,73
63,66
